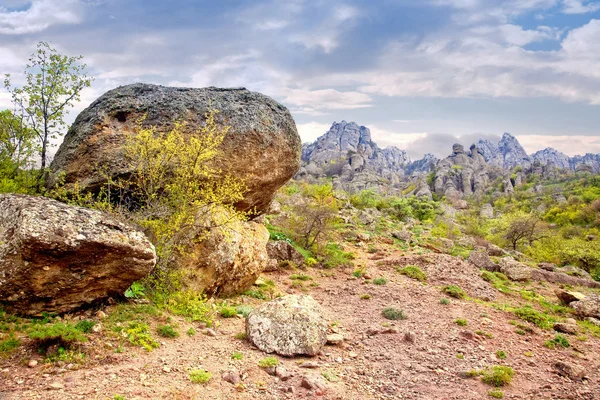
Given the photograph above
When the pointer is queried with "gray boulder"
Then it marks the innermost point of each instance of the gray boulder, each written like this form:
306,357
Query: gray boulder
483,261
262,148
56,258
281,250
588,306
289,326
514,270
487,211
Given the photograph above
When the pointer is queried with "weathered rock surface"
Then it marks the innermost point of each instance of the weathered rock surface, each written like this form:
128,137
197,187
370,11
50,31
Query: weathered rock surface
482,260
56,258
568,296
225,262
290,325
588,306
514,270
572,371
281,250
262,148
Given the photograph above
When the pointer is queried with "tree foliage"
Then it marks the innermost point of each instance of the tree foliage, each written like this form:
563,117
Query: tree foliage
17,146
53,83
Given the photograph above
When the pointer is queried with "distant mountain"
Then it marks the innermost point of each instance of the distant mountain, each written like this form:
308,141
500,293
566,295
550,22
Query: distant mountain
348,154
508,153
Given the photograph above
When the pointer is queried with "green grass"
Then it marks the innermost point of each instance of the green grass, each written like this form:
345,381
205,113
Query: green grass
460,322
539,319
379,281
454,291
243,310
296,277
488,335
191,332
365,296
237,356
330,376
85,326
501,354
7,346
444,301
394,314
58,332
138,334
167,331
496,393
413,272
200,376
268,362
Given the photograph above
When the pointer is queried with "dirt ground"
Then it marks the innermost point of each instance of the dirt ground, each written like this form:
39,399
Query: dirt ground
423,357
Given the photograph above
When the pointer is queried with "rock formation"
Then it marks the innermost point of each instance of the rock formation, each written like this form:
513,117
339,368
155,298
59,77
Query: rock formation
262,147
56,258
347,151
290,325
507,154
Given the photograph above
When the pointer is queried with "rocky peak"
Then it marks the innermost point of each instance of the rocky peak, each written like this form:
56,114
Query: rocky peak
507,154
554,156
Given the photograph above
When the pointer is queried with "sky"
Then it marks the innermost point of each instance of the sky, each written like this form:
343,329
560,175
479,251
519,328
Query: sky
421,74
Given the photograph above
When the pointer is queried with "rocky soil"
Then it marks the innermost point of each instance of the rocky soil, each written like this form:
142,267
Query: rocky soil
425,356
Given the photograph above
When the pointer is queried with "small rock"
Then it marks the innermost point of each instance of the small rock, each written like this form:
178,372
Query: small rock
574,372
571,329
166,369
593,320
56,386
410,337
101,314
335,338
313,383
309,364
209,332
390,330
568,297
232,377
282,373
97,328
32,363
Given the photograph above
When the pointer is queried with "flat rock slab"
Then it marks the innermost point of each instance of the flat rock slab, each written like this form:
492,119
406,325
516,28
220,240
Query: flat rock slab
56,258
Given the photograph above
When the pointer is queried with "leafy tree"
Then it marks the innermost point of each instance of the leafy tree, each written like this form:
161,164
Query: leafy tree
53,84
17,146
520,227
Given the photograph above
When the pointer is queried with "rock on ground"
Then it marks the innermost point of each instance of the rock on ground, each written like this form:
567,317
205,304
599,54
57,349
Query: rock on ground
226,261
262,148
483,261
514,270
56,258
290,325
588,306
281,250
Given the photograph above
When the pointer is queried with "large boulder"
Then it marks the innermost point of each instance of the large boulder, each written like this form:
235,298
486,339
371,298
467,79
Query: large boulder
56,258
225,260
514,270
262,148
282,251
588,306
483,261
290,325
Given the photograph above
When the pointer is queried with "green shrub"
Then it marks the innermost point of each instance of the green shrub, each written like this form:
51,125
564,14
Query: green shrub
296,277
8,345
559,340
444,301
191,332
138,334
497,376
454,291
59,332
501,354
200,376
268,362
365,296
227,311
334,256
85,326
167,331
243,310
379,281
413,272
460,322
193,306
393,313
496,393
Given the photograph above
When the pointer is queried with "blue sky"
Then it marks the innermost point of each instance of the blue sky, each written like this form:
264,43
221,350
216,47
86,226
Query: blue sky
422,74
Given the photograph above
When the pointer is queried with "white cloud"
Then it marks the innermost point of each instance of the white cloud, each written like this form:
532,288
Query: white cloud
580,6
39,16
310,131
329,99
571,145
